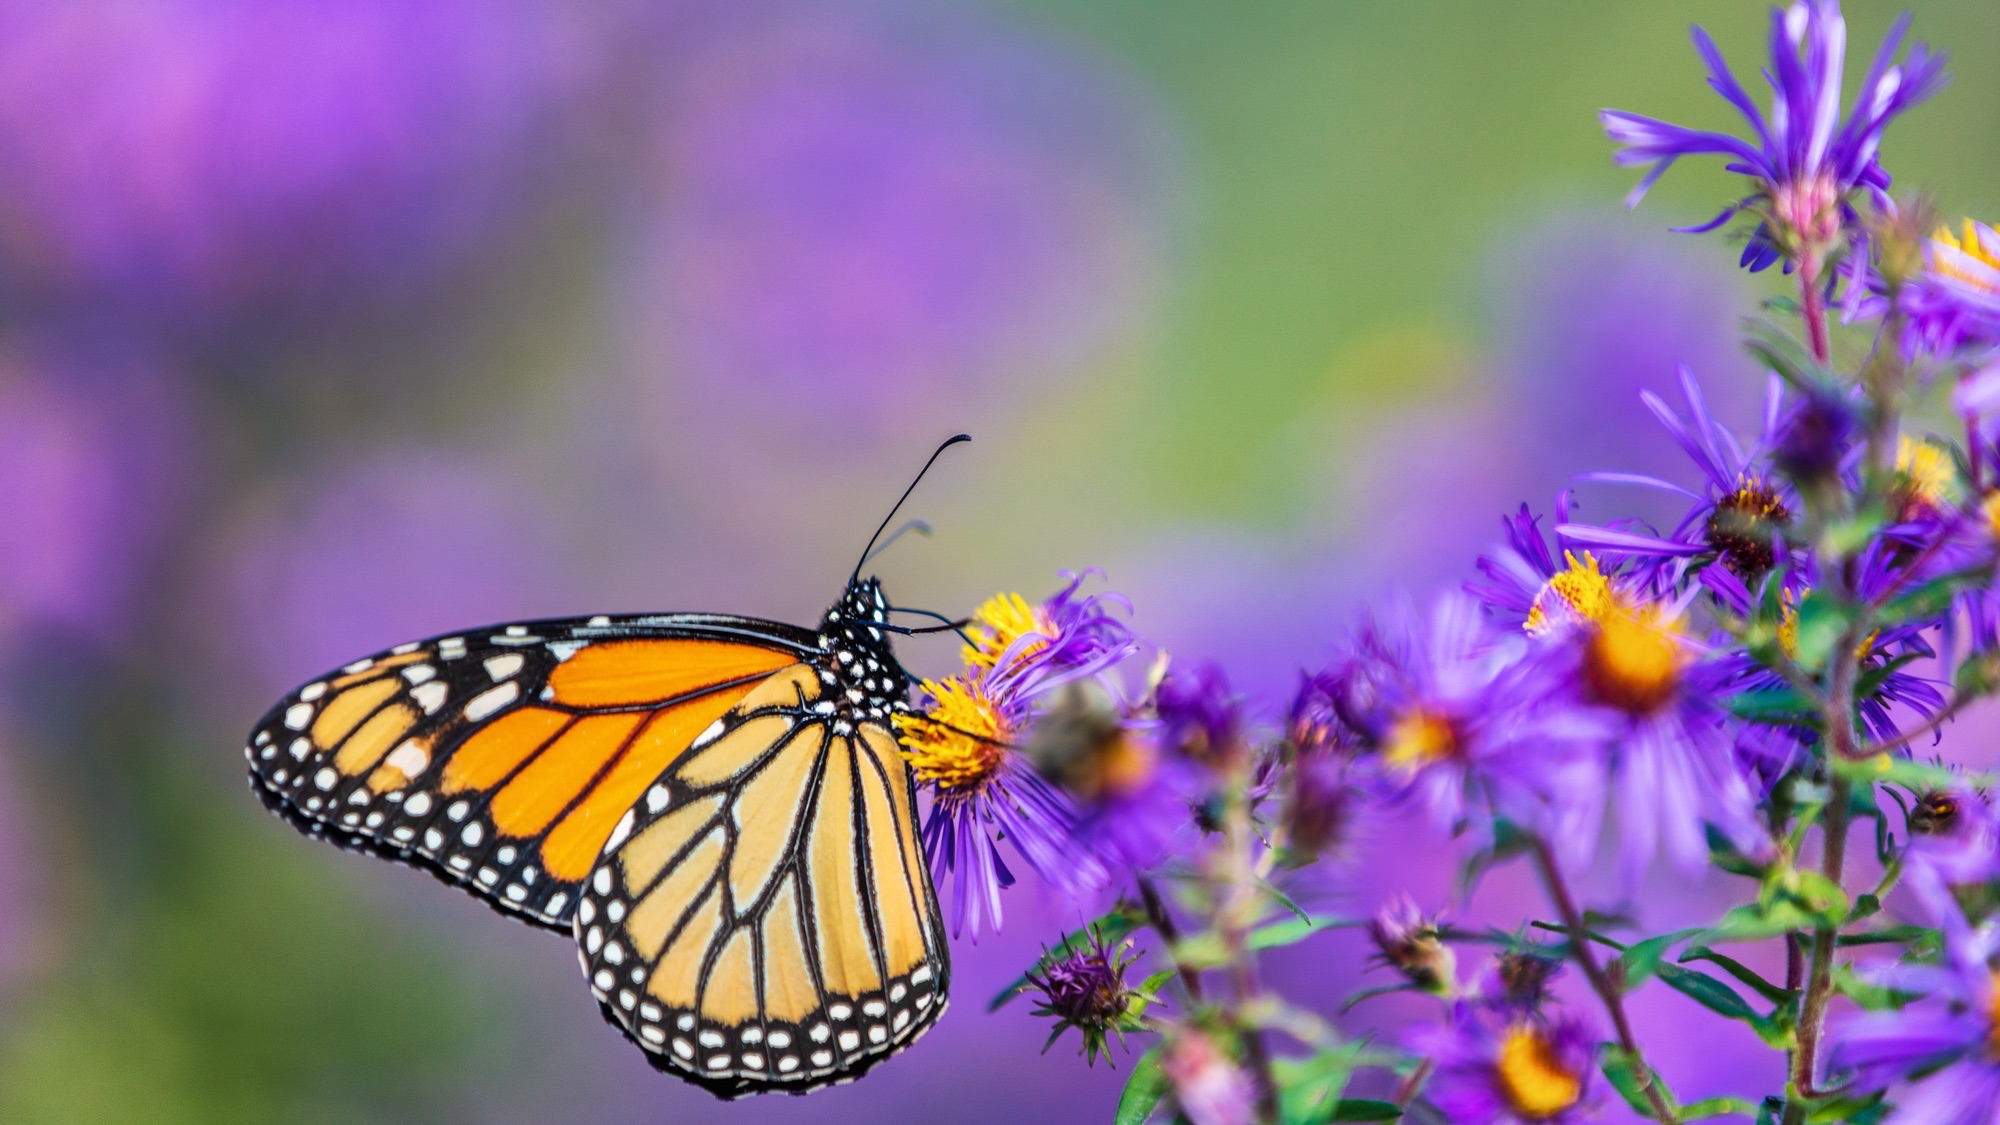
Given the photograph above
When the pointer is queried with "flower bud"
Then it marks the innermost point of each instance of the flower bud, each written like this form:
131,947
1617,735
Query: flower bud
1412,945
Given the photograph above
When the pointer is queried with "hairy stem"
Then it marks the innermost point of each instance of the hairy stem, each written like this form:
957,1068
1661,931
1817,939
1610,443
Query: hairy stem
1235,914
1814,310
1600,981
1163,924
1819,983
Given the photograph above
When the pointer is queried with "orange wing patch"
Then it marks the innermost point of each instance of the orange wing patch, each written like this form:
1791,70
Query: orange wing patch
574,845
635,673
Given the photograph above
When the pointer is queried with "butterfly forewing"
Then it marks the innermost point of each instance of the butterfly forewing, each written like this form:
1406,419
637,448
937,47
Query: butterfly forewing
764,920
715,808
501,759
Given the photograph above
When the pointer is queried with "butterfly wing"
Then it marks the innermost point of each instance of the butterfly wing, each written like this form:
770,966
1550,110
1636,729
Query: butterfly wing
764,919
501,759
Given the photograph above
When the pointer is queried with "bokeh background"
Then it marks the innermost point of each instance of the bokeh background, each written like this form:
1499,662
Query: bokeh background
324,326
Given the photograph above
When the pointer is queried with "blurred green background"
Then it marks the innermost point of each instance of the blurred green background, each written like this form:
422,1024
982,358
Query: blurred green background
327,332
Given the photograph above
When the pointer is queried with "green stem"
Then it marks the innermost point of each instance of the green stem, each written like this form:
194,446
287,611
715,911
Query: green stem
1600,981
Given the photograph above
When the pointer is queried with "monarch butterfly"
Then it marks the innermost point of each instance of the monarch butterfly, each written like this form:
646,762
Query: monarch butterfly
714,807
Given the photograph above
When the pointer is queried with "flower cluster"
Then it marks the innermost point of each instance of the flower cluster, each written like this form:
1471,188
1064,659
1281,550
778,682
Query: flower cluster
1734,690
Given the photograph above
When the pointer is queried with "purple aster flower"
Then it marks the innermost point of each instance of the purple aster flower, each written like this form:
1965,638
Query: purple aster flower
1807,162
1516,1072
1955,302
210,154
1130,796
1085,989
1940,1054
1883,659
1737,520
963,745
1070,636
1955,836
1652,695
1458,718
1200,718
1534,586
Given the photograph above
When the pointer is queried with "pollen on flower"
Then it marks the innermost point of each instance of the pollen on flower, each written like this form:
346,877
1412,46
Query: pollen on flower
1633,660
1990,508
1578,593
1928,474
1419,738
1537,1084
1744,526
1976,243
960,740
998,623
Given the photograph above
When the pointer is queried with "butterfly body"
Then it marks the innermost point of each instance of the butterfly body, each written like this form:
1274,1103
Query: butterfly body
713,807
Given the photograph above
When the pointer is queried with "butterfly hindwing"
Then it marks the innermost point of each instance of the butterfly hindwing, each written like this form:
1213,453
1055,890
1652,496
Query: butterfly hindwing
763,919
501,759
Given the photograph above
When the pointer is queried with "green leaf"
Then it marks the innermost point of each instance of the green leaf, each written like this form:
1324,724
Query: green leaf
1784,706
1362,1109
1847,536
1642,960
1740,971
1821,622
1115,926
1624,1078
1295,930
1143,1090
1888,935
1871,996
1757,921
1899,771
1309,1089
1717,1107
1820,896
1710,993
1508,842
1930,598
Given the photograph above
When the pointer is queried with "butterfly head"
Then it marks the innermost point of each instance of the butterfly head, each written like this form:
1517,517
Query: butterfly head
855,657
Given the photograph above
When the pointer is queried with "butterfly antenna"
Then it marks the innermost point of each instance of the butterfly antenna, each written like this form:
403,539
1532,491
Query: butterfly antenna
868,551
918,526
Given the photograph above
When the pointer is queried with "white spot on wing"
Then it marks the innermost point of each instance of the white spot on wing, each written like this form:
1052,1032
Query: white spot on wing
430,696
503,667
409,757
298,715
491,700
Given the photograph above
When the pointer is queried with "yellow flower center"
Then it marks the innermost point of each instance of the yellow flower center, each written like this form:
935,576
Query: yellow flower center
1633,660
1973,244
959,741
1578,593
1002,620
1536,1083
1927,471
1990,508
1418,739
